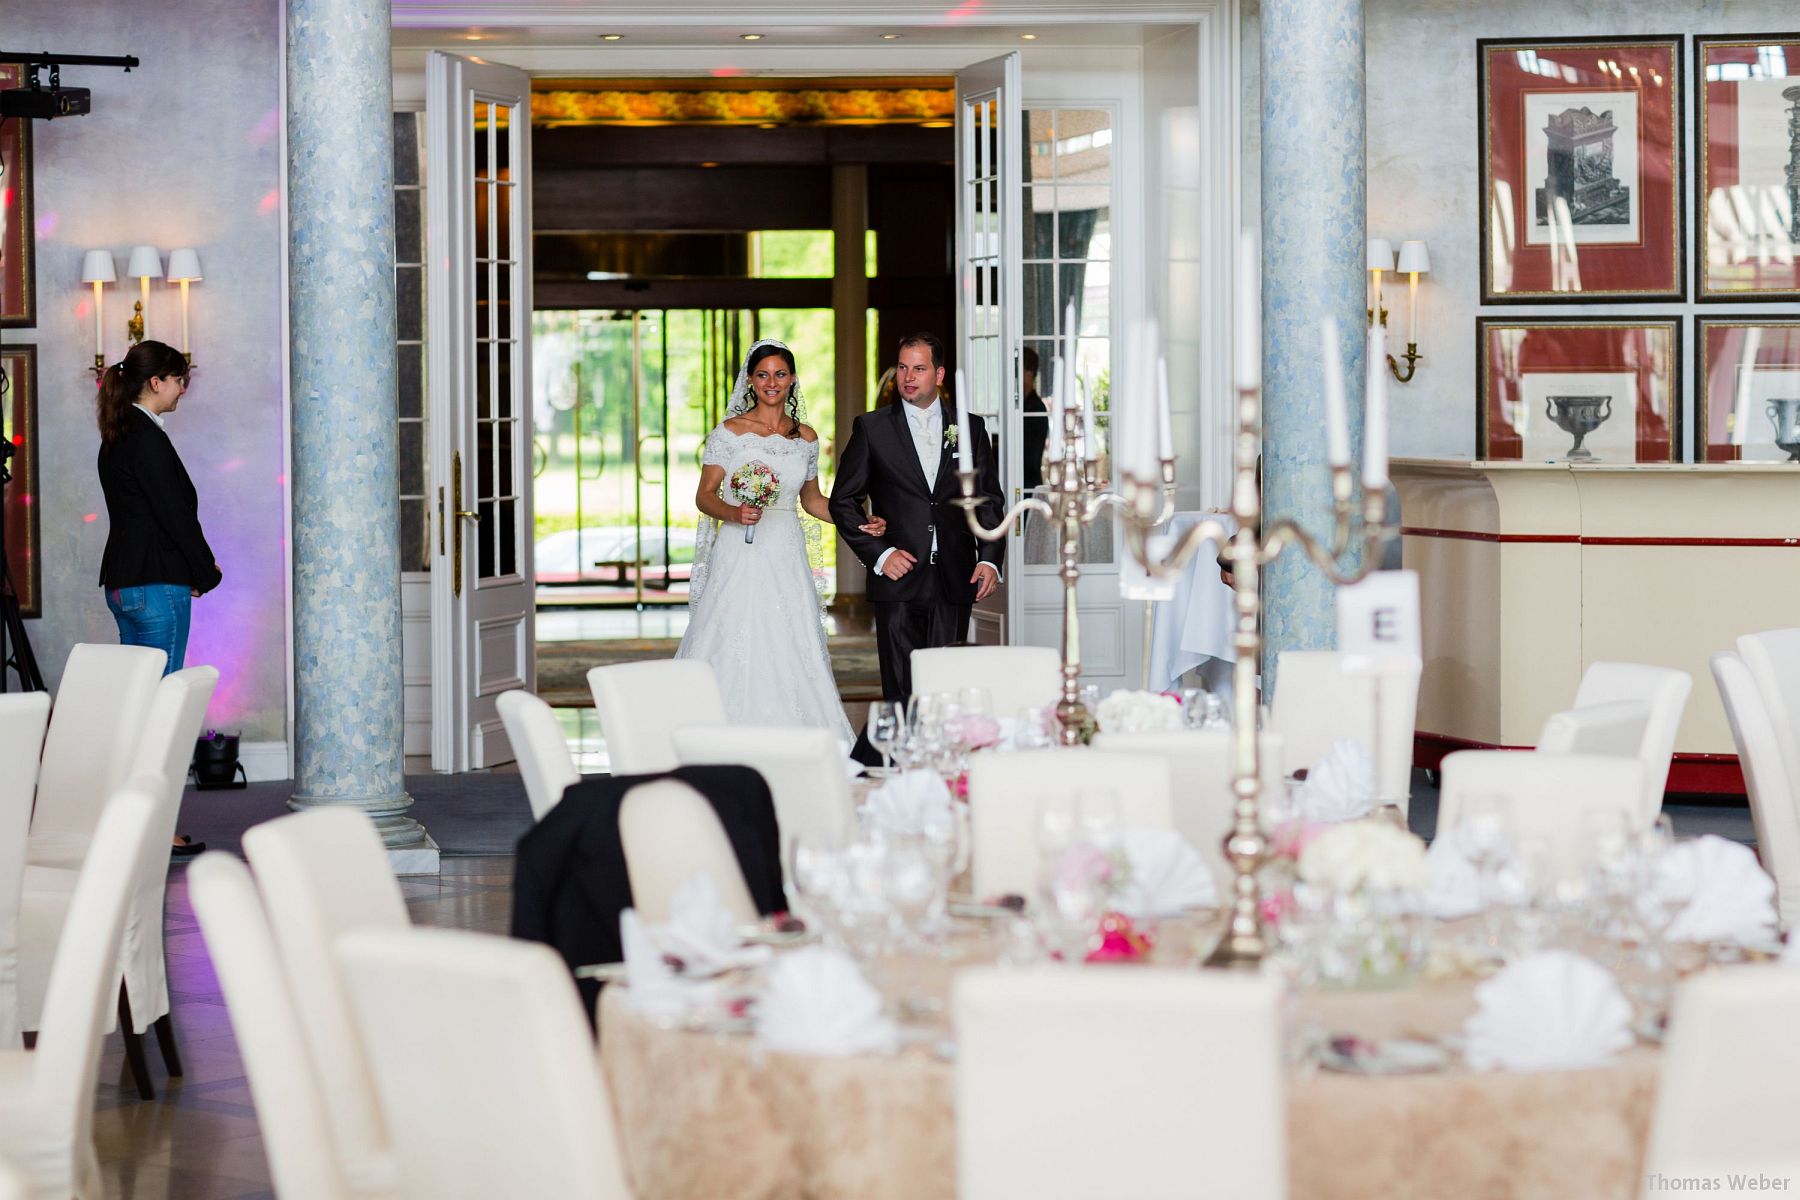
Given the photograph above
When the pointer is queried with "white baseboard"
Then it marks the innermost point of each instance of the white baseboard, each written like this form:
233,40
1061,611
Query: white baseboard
264,762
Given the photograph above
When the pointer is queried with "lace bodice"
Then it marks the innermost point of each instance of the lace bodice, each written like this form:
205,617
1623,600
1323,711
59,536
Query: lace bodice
793,460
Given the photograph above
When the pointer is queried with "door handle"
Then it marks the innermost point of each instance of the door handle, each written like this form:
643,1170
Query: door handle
456,535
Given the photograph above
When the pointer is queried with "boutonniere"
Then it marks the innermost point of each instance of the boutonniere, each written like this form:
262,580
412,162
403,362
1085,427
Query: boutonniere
950,435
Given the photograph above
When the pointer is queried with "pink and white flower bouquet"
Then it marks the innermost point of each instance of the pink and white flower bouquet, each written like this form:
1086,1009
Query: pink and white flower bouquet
755,483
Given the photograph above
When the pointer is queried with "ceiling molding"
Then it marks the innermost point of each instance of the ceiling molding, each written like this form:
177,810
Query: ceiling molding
836,13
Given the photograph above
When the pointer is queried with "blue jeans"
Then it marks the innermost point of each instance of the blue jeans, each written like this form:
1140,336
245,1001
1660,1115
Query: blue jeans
155,614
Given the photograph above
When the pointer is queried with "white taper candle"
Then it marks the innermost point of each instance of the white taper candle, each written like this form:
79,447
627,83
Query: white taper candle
1248,374
965,451
1337,427
1165,427
1053,442
99,328
1375,414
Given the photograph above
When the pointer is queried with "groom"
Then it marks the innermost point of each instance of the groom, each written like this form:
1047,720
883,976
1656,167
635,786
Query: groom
928,569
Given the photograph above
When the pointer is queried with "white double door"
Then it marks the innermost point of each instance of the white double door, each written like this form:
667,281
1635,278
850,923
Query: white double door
478,285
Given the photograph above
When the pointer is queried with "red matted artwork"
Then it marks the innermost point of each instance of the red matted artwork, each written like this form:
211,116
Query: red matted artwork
1748,198
18,499
18,250
1748,404
1581,170
1571,390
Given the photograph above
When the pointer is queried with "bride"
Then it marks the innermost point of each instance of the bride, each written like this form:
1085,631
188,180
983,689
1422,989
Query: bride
754,606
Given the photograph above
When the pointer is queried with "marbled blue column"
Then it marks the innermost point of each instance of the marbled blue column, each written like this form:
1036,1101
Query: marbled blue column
1313,222
347,677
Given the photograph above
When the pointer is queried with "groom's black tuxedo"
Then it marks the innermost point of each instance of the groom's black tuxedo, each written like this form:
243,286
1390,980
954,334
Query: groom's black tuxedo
929,605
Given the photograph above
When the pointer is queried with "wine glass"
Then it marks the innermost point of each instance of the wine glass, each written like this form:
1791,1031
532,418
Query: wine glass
887,719
976,702
1484,835
1033,732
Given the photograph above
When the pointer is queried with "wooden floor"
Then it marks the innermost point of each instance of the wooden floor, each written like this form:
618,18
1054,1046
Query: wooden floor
198,1140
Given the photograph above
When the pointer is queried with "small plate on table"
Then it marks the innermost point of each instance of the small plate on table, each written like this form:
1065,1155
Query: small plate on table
1394,1056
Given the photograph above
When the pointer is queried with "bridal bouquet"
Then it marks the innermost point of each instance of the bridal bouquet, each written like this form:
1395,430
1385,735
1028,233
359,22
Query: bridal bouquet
755,484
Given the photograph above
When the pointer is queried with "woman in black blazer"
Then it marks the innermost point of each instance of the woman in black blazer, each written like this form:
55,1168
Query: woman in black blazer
156,559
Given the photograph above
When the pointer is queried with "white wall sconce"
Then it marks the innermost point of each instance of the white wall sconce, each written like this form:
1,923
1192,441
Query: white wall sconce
97,269
184,268
1380,259
1414,262
144,265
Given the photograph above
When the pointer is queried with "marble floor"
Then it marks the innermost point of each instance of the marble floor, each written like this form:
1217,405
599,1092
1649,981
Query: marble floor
198,1140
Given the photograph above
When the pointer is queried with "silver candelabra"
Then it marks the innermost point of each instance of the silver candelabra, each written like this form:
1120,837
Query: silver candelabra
1073,496
1248,548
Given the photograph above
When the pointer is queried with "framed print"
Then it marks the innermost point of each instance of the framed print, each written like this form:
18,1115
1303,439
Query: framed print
1566,389
18,499
1747,199
1747,388
18,240
1580,170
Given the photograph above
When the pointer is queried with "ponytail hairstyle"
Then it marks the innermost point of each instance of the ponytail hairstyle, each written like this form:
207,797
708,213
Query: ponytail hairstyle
126,379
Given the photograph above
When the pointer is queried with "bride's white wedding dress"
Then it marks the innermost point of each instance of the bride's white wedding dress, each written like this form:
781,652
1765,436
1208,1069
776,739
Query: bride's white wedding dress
755,612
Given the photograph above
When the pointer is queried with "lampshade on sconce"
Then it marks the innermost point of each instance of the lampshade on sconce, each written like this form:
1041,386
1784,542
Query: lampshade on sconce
97,269
144,265
1413,258
1381,255
184,268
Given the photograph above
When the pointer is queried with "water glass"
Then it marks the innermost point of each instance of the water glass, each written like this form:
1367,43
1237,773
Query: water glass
976,702
1034,730
887,721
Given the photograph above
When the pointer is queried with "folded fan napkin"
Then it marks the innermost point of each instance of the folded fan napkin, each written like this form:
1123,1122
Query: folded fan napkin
1340,786
1727,895
817,1002
652,987
913,802
1167,878
1550,1011
1455,887
701,931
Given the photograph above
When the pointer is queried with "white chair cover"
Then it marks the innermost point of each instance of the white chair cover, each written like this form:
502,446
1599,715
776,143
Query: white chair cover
1075,1083
485,1065
1016,677
1203,804
1730,1079
1008,793
1549,794
91,748
544,759
641,704
1319,703
23,716
1616,729
669,834
164,750
290,1107
1666,690
804,769
1773,810
12,1183
322,874
47,1094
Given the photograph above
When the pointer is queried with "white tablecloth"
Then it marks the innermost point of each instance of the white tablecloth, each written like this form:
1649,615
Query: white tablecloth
1193,630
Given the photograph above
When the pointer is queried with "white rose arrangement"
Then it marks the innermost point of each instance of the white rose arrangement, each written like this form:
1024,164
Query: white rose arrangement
1351,856
1139,712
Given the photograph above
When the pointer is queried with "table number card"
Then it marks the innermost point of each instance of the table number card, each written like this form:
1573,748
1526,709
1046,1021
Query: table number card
1378,619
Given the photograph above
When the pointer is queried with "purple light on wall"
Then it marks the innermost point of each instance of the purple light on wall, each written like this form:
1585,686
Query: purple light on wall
47,223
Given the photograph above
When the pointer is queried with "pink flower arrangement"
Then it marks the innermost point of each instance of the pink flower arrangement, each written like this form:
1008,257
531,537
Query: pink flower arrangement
1119,941
1292,837
974,731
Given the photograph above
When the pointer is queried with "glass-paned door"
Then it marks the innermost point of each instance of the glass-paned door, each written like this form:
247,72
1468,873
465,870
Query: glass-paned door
988,243
624,400
478,118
